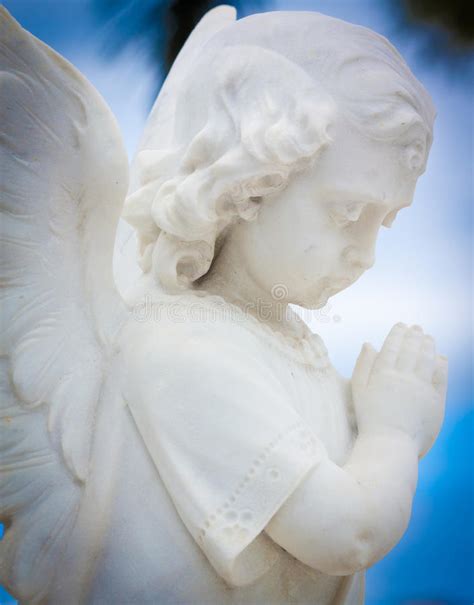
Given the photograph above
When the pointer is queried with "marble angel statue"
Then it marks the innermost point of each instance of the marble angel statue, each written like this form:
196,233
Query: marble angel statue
206,451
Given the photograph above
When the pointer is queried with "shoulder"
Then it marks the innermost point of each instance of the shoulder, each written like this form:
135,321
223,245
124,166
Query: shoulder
190,335
215,362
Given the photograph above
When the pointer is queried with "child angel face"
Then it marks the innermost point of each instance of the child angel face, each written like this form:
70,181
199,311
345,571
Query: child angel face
310,152
318,236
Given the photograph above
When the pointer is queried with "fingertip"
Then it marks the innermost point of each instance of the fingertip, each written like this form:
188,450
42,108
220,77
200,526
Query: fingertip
397,331
364,364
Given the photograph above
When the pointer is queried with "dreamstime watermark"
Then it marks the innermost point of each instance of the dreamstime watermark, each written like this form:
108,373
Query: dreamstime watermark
279,292
202,308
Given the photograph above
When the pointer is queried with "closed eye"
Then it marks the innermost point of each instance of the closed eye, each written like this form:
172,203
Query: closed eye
346,213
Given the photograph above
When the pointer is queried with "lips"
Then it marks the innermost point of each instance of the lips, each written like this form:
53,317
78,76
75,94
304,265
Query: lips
328,287
341,284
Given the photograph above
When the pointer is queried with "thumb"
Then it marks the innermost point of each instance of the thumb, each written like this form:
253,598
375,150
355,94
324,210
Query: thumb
363,366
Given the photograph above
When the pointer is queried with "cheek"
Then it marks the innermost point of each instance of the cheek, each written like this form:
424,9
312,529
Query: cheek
321,257
307,236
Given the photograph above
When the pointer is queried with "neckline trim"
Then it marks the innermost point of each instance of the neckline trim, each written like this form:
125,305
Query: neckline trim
308,349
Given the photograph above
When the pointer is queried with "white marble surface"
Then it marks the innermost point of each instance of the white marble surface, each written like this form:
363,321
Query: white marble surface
187,440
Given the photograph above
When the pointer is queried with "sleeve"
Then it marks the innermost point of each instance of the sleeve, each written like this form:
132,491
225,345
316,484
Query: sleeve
228,444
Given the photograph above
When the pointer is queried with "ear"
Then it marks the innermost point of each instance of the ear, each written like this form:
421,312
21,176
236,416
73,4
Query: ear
249,195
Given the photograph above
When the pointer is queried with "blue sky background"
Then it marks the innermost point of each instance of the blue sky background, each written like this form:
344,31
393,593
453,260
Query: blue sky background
423,274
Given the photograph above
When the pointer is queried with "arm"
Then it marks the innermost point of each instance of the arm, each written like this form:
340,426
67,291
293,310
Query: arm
341,520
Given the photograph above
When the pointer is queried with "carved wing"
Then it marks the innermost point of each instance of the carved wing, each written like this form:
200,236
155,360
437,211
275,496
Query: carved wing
63,181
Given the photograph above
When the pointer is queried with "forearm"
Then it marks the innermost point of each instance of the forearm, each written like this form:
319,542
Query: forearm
344,519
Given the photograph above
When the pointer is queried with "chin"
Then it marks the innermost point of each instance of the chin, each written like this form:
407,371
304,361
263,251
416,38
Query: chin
314,300
311,306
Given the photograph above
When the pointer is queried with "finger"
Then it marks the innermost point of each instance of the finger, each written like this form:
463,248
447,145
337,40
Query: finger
440,375
364,364
427,359
390,348
410,349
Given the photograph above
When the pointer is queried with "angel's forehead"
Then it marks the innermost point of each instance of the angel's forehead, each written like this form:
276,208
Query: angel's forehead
356,167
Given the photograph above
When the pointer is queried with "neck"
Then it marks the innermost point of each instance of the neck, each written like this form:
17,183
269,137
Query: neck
231,278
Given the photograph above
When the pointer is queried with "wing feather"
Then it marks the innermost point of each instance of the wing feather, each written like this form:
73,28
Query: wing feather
64,176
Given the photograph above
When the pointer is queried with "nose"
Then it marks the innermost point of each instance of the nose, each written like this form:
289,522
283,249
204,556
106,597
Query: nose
361,259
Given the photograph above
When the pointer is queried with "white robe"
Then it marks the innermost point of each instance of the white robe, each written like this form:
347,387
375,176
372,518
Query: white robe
221,420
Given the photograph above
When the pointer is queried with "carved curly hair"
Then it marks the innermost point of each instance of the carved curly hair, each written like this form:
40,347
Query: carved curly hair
256,108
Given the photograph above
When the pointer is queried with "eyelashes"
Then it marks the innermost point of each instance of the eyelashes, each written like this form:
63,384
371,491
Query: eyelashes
349,213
